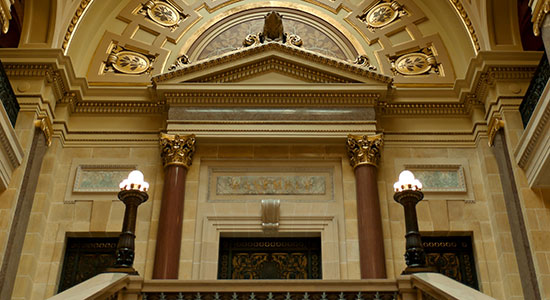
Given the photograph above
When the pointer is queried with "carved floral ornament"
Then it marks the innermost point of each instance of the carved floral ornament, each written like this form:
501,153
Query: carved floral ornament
121,60
177,149
364,150
162,13
382,14
415,63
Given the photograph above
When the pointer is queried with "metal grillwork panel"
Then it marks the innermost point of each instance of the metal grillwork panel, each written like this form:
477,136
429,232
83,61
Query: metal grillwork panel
382,295
452,256
262,258
534,92
9,101
85,258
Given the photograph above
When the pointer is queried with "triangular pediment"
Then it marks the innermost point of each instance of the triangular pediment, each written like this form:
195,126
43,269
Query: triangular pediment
273,63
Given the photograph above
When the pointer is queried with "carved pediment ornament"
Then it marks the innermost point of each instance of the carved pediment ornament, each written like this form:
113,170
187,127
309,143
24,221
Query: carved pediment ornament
382,14
162,13
180,62
177,149
364,150
364,61
273,31
121,60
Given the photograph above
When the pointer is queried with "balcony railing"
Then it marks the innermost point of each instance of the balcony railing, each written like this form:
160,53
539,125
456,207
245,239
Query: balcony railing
8,97
420,286
534,91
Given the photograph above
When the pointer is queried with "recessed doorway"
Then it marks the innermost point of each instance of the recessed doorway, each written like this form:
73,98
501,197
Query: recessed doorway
270,258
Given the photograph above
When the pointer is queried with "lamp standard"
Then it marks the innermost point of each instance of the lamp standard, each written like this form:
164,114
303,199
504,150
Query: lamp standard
133,193
408,194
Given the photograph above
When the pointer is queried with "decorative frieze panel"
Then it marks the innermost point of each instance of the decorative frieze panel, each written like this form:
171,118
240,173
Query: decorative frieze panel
97,179
100,178
440,178
254,183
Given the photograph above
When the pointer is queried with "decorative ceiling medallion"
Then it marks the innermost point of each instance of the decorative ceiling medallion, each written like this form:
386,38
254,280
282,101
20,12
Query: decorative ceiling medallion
131,63
412,64
382,14
162,13
125,61
415,63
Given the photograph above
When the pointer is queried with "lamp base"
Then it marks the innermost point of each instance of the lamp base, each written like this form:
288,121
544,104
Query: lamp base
127,270
412,270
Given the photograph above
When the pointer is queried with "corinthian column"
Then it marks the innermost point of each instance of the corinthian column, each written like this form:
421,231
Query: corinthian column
364,155
177,154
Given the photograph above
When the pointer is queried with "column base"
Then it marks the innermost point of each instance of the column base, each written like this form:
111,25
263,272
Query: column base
128,270
412,270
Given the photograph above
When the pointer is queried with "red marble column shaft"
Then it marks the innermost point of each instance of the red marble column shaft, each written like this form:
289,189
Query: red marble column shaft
167,253
369,222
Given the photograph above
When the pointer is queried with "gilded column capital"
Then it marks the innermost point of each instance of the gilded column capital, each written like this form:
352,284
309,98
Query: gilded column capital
364,150
177,149
539,13
494,126
45,124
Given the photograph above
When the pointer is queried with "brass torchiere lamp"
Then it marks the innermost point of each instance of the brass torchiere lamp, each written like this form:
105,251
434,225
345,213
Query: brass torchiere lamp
408,193
133,193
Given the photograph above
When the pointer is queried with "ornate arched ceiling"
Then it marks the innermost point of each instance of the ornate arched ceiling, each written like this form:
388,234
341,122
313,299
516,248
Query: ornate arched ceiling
444,35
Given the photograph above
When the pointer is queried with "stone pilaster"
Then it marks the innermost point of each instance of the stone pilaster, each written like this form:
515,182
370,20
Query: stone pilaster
524,257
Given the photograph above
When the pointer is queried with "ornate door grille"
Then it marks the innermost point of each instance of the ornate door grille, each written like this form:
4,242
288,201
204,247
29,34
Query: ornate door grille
85,258
265,258
452,256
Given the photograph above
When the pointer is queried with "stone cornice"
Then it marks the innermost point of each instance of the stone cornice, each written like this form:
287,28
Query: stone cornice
273,98
115,107
281,48
385,108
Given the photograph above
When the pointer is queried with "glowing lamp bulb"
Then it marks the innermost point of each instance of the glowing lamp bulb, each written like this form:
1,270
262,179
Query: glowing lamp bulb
407,182
406,176
135,181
